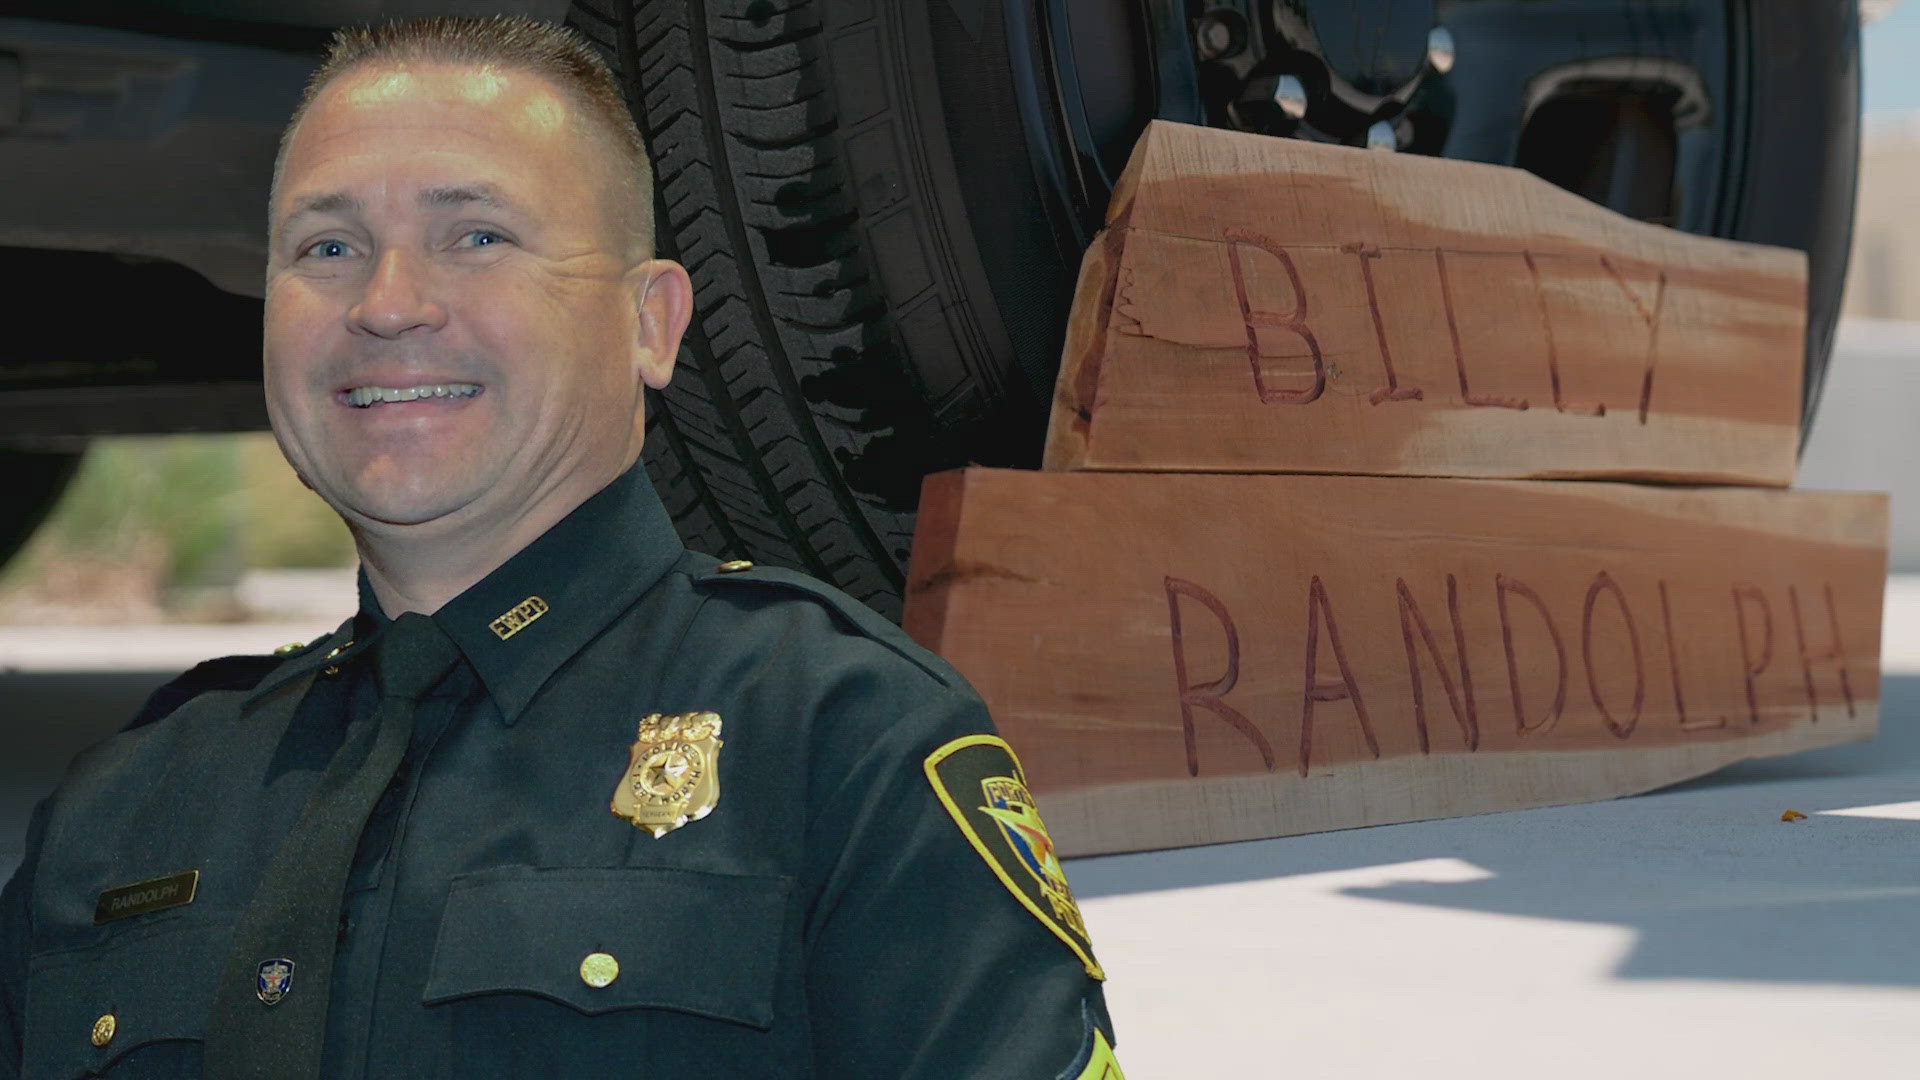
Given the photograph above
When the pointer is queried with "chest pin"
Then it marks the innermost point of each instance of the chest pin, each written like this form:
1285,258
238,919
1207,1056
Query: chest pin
276,979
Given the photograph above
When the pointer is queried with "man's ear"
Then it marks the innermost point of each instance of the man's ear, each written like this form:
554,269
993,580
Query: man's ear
663,302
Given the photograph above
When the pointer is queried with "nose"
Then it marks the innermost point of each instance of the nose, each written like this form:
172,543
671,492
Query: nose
399,298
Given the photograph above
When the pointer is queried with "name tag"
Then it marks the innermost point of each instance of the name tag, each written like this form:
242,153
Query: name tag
144,897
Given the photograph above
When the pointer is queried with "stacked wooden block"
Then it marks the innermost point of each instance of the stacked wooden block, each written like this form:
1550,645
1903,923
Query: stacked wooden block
1374,492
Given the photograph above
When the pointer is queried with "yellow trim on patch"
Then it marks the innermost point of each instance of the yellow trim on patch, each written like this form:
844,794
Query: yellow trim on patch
1102,1065
960,818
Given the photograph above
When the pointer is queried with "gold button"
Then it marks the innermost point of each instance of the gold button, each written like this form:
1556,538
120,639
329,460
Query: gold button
599,970
290,647
731,565
334,669
103,1030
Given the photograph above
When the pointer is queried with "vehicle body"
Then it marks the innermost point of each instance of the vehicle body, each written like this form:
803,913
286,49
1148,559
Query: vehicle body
883,205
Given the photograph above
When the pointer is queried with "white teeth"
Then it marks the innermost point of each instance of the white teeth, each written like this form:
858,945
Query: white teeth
366,396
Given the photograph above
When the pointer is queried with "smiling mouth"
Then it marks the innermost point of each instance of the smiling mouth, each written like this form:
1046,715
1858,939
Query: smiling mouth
366,397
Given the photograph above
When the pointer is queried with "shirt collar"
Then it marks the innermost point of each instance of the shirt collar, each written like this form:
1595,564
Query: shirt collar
517,625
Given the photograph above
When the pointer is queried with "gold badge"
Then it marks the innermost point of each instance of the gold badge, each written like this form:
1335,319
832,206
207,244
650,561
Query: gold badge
673,776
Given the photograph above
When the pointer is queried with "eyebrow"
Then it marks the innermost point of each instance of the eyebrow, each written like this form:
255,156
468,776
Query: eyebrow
337,202
483,194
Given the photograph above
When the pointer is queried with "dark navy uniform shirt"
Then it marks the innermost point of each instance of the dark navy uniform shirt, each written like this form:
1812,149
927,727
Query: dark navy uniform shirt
832,916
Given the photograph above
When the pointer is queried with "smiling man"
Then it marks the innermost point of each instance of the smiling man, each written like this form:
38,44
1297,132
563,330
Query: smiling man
563,797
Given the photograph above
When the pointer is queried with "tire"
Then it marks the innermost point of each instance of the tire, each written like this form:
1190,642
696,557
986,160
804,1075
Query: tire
797,427
865,314
1797,184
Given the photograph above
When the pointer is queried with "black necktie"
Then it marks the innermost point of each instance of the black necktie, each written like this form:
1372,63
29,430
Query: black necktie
270,1011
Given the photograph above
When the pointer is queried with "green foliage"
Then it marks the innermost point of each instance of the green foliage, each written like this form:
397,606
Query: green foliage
129,492
213,505
283,523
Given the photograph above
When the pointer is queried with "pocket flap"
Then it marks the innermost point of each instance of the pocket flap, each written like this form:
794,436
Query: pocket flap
158,987
697,942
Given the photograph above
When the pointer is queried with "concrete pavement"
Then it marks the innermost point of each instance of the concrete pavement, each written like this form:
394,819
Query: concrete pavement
1685,933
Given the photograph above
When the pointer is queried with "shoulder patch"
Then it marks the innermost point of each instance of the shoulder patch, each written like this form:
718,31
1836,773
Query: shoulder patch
222,673
984,789
861,618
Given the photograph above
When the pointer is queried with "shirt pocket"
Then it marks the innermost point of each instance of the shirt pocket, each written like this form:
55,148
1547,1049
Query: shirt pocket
135,1005
510,967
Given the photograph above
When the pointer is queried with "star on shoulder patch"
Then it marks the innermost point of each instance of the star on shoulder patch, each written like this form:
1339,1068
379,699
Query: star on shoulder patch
984,789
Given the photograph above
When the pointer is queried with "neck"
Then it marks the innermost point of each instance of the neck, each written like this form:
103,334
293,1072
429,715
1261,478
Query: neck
422,567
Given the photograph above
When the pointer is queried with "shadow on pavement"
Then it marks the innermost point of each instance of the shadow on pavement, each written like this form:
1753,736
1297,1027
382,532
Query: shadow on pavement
1715,884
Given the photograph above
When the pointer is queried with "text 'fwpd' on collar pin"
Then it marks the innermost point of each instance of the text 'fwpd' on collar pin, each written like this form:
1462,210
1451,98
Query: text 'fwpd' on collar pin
673,773
276,979
515,619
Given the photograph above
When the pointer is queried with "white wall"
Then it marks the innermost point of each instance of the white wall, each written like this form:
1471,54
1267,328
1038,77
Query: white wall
1866,432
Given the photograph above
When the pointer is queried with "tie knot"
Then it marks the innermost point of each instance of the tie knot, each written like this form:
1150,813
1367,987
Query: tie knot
411,655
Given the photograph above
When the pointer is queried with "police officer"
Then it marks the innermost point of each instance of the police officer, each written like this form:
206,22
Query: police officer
563,798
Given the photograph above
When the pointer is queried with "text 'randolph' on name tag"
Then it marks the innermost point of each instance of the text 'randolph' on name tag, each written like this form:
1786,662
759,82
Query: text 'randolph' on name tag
144,897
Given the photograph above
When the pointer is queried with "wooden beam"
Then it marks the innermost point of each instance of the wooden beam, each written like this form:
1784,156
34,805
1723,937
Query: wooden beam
1190,658
1272,305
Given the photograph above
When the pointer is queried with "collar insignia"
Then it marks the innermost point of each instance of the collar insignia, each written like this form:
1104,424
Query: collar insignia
673,772
516,618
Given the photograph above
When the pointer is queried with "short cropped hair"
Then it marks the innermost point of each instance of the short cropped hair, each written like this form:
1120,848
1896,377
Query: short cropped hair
551,51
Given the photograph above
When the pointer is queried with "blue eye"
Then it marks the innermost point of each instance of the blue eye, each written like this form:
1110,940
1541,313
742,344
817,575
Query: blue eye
329,249
484,237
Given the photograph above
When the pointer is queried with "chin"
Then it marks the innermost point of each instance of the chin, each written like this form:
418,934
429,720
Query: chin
416,500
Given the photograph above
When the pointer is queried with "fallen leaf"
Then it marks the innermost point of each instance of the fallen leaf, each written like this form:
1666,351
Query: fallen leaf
1793,815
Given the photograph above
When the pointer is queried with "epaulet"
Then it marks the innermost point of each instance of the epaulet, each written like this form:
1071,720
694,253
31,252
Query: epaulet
739,573
221,673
